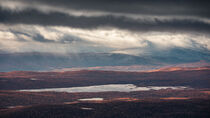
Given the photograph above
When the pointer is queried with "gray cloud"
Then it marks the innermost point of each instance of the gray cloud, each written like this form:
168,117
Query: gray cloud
31,16
36,36
29,38
162,30
40,38
157,7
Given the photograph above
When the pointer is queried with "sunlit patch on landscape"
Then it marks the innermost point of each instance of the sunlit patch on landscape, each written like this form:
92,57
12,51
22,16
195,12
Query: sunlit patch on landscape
86,108
91,99
175,98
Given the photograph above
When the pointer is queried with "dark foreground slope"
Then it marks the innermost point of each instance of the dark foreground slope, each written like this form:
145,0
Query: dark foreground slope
194,108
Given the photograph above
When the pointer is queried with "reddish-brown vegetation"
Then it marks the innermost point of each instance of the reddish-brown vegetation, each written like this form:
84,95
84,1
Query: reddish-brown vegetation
193,108
187,103
34,80
14,98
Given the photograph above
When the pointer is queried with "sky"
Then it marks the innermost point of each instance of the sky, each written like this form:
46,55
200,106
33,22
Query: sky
131,27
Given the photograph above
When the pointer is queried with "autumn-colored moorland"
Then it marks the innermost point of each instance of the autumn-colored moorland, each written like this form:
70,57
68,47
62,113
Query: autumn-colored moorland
191,102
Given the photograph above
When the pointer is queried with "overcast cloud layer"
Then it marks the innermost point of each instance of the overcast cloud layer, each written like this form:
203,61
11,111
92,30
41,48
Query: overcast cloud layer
134,27
158,15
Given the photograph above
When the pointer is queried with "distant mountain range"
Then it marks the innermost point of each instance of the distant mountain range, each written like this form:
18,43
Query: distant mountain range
35,61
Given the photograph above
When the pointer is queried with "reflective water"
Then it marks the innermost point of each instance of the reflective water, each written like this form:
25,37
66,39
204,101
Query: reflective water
106,88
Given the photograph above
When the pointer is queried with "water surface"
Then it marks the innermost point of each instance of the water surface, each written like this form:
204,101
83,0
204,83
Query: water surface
106,88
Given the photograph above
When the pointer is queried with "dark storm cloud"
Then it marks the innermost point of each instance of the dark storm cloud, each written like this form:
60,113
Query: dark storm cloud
36,36
66,39
31,16
155,7
40,38
162,31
